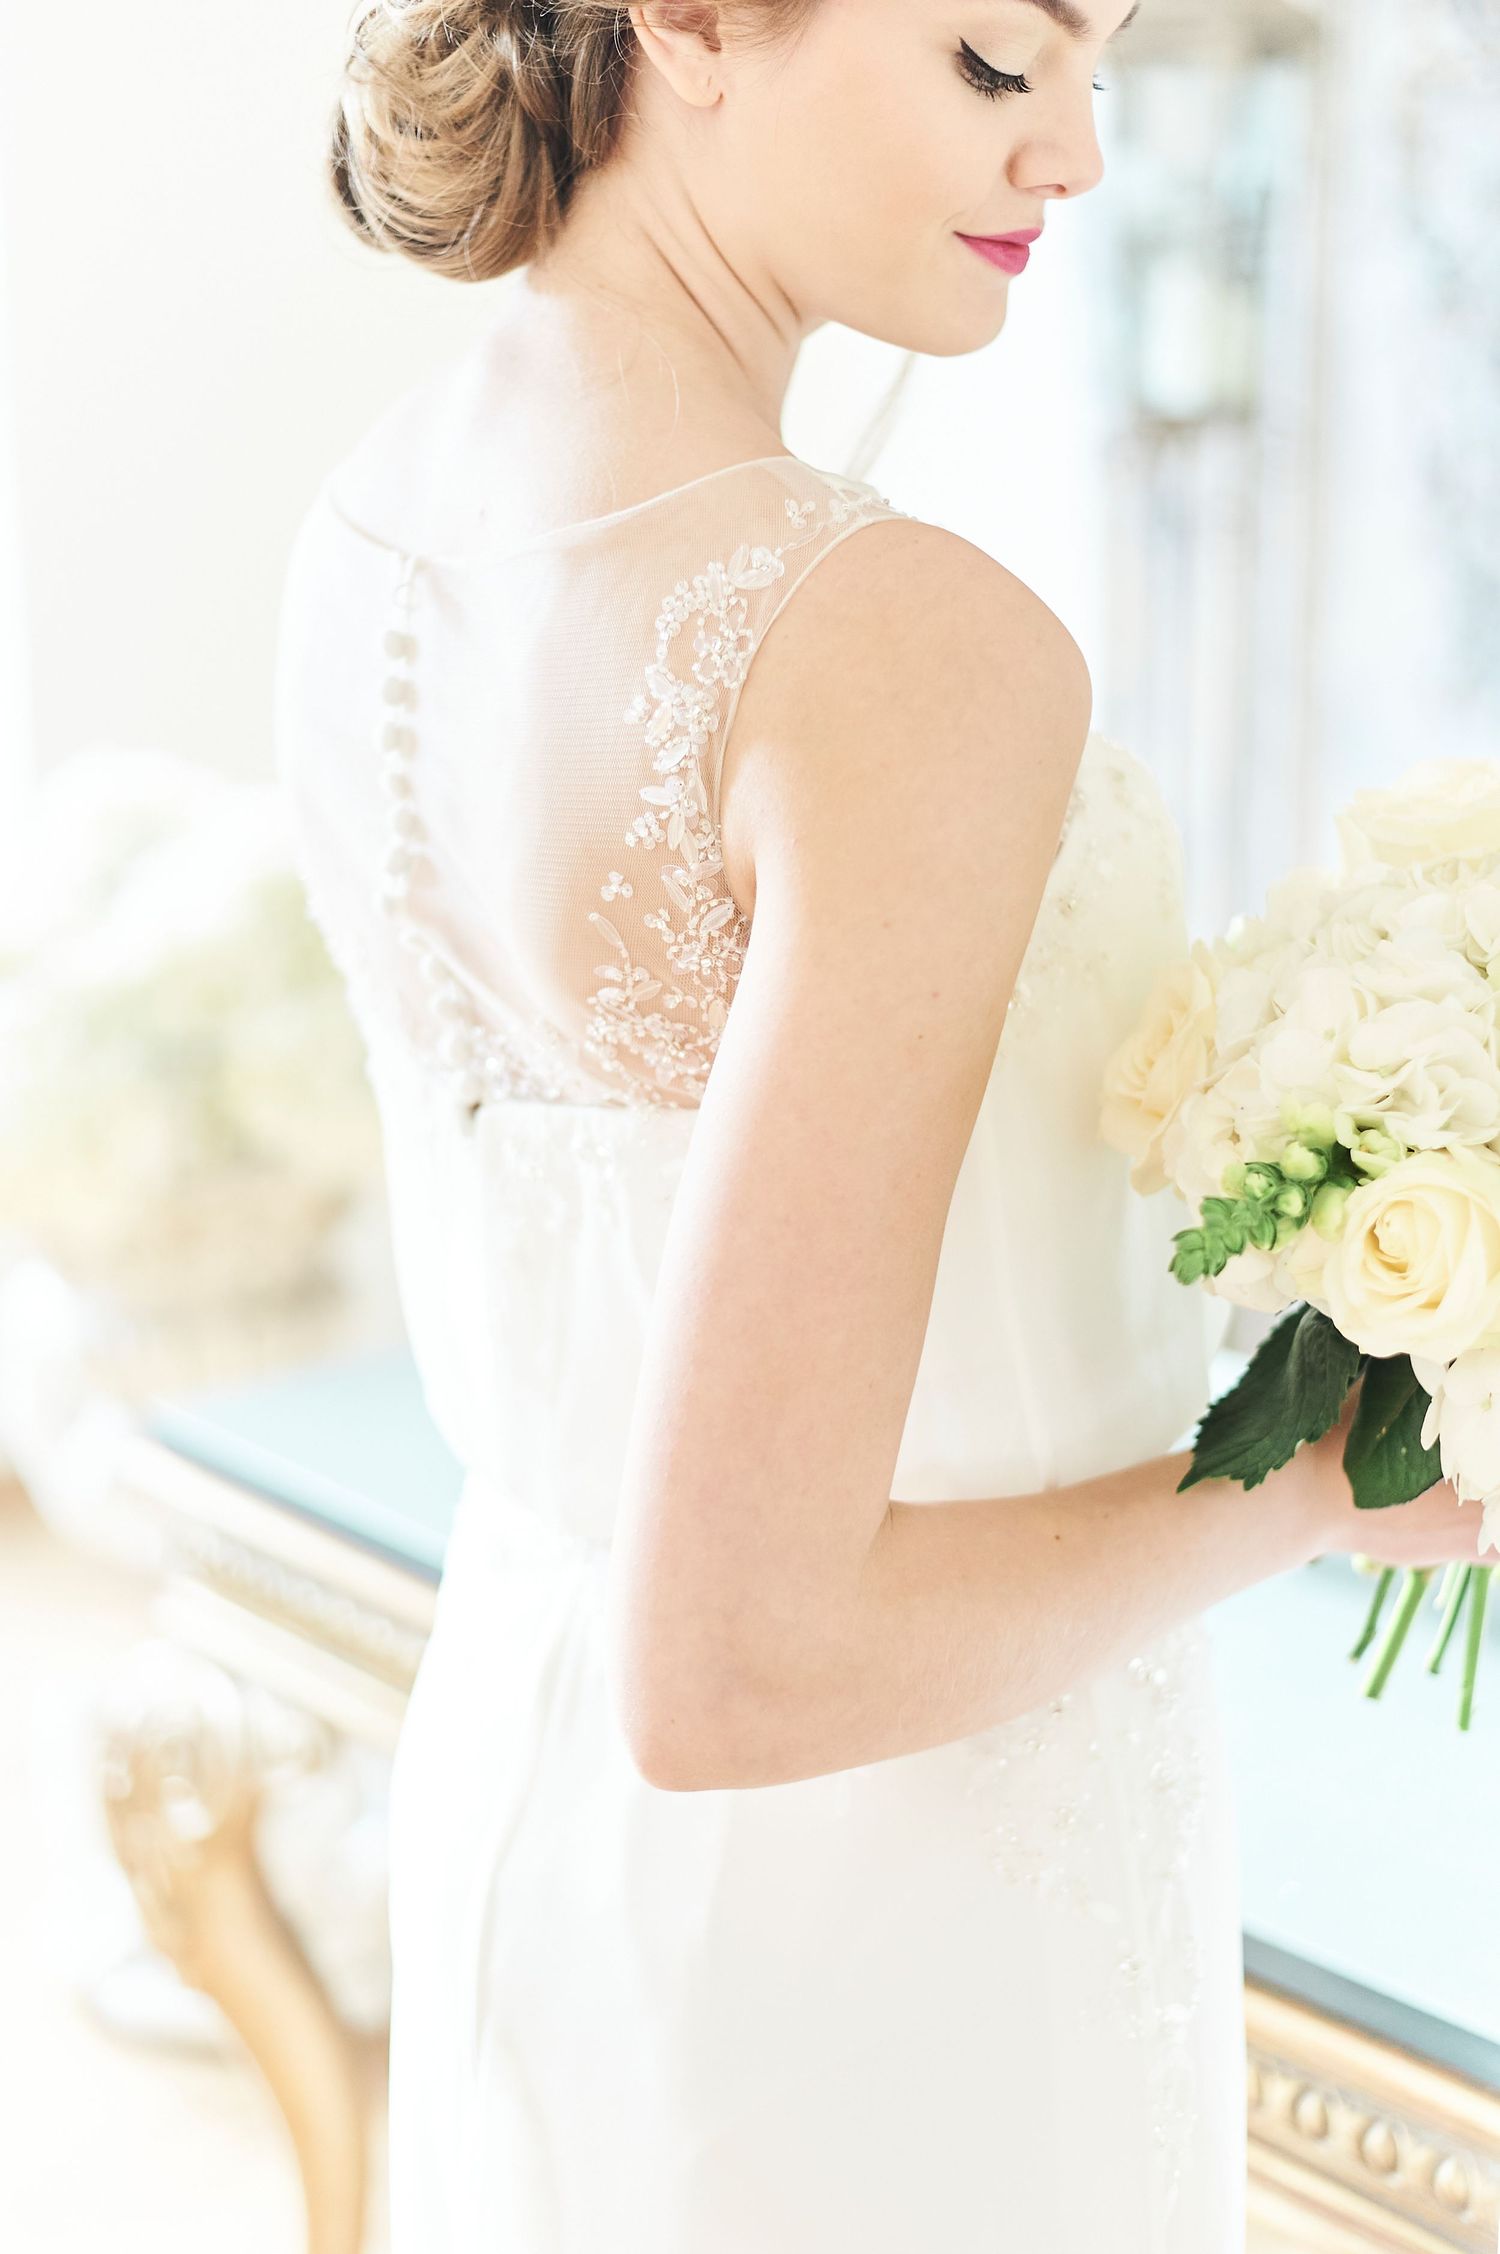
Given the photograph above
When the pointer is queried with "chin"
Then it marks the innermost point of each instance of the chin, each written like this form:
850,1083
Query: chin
942,329
955,329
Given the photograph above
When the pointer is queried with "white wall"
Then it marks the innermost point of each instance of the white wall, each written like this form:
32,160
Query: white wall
1002,445
193,338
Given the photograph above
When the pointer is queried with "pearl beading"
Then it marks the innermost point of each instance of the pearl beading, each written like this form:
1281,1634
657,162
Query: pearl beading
1113,793
480,1060
484,1061
1082,1785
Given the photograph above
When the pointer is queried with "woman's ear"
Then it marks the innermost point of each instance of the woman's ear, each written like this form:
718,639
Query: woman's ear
680,38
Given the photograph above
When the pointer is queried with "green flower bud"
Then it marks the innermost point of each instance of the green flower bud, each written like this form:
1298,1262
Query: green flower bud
1263,1229
1234,1178
1301,1163
1286,1229
1189,1261
1295,1201
1310,1123
1261,1181
1375,1151
1328,1209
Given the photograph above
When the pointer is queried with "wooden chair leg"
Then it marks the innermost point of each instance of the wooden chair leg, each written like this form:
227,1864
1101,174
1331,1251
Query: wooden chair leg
186,1750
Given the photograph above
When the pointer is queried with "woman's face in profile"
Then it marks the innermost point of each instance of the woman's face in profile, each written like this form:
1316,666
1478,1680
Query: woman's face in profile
849,163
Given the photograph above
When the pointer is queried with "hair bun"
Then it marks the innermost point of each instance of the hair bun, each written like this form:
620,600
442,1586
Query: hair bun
462,125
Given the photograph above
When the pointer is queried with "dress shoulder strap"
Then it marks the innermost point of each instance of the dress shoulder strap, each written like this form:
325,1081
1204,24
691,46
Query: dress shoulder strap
746,579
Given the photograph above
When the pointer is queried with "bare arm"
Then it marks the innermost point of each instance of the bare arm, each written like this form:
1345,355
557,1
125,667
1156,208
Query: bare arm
898,776
969,1612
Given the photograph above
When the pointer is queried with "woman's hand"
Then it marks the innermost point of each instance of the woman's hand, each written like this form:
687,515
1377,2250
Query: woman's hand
1434,1528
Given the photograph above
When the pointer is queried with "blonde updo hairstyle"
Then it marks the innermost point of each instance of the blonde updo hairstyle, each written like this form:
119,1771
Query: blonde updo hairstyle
462,125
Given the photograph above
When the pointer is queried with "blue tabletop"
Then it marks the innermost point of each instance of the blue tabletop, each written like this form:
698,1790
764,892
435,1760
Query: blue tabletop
348,1442
1369,1828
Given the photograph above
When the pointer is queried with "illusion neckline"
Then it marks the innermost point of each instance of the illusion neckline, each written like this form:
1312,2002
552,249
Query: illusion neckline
559,534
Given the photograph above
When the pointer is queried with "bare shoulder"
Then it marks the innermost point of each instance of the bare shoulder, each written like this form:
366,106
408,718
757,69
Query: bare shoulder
911,678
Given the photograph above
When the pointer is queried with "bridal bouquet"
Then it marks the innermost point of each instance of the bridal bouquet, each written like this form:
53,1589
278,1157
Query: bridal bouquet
1322,1086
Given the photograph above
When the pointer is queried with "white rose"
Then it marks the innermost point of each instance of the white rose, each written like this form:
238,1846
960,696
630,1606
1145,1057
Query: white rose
1254,991
1463,1419
1250,1279
1439,810
1299,904
1416,1267
1366,913
1480,906
1423,964
1425,1071
1269,1280
1167,1055
1297,1054
1302,1264
1228,1120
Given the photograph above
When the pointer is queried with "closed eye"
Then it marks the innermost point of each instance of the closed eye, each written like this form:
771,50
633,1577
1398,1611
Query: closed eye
987,80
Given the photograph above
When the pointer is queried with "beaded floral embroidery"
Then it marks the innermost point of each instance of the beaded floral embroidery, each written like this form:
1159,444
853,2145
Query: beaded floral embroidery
1083,1785
1113,794
673,1025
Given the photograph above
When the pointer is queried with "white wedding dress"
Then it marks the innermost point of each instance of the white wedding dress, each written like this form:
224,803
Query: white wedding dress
983,1999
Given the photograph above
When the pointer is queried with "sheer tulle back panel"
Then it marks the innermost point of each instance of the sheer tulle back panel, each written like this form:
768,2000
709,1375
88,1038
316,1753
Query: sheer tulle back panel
503,773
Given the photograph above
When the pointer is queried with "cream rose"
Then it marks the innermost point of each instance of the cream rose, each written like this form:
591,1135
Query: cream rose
1439,810
1159,1064
1416,1267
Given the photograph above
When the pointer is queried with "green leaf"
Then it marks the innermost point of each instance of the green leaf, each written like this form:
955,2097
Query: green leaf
1383,1455
1291,1390
1323,1366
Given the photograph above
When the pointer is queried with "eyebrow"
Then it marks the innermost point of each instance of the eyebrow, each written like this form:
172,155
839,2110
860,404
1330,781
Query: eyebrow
1073,21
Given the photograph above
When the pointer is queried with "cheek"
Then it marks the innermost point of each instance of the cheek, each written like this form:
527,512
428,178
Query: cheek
863,154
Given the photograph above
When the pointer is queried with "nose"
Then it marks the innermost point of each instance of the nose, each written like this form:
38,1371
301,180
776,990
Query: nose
1062,157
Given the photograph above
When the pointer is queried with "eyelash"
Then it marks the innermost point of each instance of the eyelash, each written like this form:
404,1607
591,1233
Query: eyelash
986,80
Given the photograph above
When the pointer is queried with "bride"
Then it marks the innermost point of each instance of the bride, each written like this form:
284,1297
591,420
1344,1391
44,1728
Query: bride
810,1831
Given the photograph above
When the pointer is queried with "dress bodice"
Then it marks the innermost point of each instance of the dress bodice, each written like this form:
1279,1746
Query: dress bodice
503,771
506,770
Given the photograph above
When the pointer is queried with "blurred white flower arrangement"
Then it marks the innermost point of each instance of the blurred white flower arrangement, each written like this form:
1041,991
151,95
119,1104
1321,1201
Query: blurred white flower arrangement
184,1111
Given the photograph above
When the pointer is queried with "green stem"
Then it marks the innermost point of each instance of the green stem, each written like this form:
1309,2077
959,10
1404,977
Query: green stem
1456,1582
1417,1578
1480,1576
1387,1576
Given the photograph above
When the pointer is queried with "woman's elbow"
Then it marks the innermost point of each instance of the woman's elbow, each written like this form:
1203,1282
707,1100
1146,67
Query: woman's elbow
703,1739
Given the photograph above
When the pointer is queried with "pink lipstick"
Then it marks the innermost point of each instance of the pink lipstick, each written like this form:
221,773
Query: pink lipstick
1009,252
